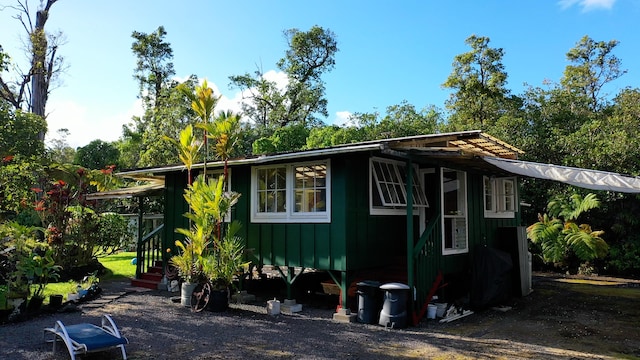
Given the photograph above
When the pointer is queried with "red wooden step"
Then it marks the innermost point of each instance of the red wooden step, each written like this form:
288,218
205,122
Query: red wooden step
151,276
149,284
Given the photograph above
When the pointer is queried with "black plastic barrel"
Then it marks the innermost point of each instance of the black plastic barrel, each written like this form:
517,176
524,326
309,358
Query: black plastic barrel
368,301
394,308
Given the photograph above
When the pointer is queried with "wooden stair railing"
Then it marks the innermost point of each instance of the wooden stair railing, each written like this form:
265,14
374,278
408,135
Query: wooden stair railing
149,251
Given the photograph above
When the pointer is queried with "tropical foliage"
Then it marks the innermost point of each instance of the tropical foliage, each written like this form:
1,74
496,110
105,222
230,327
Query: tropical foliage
561,236
209,251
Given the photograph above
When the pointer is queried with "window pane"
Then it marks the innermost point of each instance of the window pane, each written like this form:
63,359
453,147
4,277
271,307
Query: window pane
310,181
281,178
509,195
488,194
448,233
271,189
450,188
321,203
455,233
262,179
321,176
281,200
300,177
460,233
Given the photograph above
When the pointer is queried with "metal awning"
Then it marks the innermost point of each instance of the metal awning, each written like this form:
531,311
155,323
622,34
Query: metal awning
584,178
154,189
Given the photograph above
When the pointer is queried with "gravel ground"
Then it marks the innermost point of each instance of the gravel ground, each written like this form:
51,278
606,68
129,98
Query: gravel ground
159,328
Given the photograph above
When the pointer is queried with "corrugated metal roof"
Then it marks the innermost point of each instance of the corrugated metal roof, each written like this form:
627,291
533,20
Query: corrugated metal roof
153,189
469,143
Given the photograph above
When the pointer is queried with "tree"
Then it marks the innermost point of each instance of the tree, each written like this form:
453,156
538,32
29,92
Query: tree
154,68
166,109
19,132
478,81
560,236
405,120
593,66
59,149
309,56
97,155
44,65
18,174
287,138
203,102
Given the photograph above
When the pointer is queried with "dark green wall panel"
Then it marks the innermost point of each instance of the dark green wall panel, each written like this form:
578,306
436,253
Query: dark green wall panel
294,245
323,247
307,244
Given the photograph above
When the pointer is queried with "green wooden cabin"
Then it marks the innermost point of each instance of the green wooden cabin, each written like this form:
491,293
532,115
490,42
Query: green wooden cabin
344,209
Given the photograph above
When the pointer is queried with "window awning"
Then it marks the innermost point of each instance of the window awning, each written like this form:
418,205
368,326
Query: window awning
584,178
154,189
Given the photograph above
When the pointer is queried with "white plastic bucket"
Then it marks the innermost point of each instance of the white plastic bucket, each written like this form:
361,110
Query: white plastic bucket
441,308
431,311
273,307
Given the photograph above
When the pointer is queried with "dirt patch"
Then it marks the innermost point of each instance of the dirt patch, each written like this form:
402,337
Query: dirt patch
589,315
564,318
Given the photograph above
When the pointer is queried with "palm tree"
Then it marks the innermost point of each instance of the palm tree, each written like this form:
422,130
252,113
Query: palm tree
202,102
225,131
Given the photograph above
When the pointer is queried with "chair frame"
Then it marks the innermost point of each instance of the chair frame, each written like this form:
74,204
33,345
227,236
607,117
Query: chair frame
111,335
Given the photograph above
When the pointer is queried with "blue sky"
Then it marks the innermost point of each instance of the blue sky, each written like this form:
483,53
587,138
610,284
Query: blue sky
390,51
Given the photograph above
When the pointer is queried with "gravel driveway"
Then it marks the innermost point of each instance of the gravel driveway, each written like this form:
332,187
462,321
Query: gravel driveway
159,328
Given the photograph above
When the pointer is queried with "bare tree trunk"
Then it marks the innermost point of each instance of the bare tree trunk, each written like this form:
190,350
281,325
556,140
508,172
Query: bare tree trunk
40,67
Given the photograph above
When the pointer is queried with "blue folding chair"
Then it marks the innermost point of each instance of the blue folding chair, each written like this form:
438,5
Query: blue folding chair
85,338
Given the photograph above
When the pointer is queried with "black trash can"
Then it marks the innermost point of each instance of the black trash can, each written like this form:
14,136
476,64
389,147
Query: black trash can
394,308
368,301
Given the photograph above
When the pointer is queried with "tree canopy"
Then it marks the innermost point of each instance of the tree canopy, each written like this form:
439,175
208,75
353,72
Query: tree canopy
32,83
302,99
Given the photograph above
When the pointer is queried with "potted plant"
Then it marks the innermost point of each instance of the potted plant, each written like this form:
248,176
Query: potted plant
223,264
17,290
187,262
208,201
39,269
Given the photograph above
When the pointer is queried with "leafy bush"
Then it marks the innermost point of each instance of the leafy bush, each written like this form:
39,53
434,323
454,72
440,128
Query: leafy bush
562,238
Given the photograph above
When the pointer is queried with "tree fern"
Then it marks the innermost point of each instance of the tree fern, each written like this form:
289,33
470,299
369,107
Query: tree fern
558,232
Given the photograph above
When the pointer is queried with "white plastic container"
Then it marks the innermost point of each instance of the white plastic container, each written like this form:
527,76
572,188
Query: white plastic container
273,307
431,311
441,308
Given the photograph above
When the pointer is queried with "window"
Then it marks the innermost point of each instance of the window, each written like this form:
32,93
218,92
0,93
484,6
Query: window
291,193
454,208
272,190
310,188
388,184
499,197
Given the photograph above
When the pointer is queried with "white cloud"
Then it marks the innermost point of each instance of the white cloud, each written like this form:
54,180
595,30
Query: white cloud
277,77
588,5
104,122
342,118
88,124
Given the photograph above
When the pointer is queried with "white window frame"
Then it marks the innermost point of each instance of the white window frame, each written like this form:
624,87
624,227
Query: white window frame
290,215
495,190
377,186
455,218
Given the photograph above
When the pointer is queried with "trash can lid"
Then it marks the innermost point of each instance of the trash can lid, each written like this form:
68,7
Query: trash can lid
371,283
394,286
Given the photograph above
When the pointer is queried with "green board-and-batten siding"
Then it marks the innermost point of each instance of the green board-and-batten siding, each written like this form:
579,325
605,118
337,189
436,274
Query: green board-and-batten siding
354,239
369,240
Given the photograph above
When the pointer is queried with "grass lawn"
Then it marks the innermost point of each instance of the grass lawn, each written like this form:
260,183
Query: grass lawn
118,266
